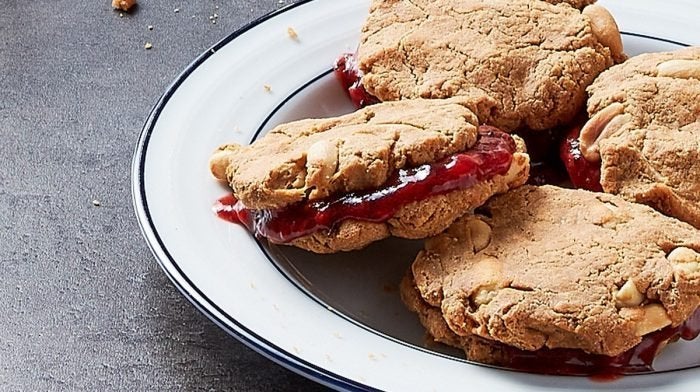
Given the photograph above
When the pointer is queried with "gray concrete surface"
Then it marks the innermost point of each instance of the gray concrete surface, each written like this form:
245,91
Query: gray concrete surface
84,305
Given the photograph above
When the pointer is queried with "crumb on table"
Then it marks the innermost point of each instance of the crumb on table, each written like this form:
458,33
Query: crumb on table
123,5
292,33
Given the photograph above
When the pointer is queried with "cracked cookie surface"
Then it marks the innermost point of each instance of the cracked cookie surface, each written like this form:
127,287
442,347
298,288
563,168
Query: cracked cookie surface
645,131
320,157
553,268
535,59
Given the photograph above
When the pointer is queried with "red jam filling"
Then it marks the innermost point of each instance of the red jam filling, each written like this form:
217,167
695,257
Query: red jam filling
490,156
583,174
576,362
350,77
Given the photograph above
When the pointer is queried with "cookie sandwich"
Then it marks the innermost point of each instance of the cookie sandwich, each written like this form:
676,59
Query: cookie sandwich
535,59
559,281
407,169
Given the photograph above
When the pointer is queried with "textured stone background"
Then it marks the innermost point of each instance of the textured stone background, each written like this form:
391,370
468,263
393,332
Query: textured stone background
84,305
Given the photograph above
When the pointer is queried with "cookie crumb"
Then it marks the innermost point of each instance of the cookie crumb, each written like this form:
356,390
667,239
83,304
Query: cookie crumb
96,203
148,46
267,88
124,5
292,33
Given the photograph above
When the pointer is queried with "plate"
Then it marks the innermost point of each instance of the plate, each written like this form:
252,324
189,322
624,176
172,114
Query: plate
336,319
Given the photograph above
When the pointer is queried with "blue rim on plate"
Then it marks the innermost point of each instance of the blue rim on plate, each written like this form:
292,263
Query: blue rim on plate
185,285
149,231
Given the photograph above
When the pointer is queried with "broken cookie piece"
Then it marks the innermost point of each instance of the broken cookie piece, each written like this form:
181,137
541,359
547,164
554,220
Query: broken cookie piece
559,361
644,133
124,5
562,269
407,169
532,58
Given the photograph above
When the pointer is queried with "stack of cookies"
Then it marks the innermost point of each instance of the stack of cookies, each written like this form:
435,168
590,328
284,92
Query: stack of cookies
541,278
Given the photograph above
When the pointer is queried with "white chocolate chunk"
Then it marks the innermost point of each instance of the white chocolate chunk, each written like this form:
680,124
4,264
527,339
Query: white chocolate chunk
480,233
683,69
485,295
685,261
321,165
683,255
629,295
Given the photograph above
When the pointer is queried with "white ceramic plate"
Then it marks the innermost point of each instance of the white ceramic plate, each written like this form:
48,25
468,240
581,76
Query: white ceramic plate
337,319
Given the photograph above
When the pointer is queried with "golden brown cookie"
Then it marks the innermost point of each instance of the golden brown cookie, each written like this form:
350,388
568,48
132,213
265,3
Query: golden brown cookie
554,268
535,59
360,158
645,131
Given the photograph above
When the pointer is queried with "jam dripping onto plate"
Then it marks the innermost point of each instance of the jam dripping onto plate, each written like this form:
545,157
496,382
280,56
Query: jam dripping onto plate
600,367
490,156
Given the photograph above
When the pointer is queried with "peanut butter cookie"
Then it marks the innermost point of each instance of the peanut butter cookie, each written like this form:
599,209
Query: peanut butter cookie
644,131
550,268
535,59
